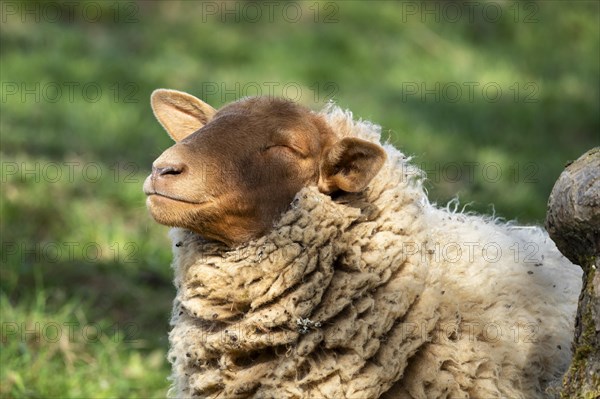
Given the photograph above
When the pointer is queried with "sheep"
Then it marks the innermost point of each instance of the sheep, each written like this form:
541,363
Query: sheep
309,263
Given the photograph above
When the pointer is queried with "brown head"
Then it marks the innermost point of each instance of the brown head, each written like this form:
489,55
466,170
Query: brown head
232,172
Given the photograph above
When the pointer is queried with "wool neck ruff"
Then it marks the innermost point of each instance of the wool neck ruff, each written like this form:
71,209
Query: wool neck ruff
301,310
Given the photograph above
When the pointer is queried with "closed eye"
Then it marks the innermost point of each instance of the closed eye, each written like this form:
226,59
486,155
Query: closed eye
286,148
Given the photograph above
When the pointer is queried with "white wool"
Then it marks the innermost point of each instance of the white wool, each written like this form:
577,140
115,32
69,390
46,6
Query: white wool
377,294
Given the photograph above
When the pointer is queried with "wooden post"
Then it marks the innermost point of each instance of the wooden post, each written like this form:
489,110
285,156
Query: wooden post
573,222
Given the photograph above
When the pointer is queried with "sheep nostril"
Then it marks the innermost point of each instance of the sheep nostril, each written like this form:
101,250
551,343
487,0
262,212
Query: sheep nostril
167,170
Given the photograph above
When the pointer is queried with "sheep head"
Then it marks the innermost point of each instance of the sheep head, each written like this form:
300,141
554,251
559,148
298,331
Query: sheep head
232,172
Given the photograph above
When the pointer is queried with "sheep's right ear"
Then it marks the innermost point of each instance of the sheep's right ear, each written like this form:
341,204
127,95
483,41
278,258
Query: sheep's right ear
181,114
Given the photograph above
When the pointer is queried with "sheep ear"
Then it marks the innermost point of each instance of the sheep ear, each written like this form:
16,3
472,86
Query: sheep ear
181,114
350,165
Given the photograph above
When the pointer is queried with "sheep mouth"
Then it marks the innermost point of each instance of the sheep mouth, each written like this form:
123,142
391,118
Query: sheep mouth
172,198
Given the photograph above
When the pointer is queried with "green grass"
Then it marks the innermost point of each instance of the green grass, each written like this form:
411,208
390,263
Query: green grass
78,246
61,353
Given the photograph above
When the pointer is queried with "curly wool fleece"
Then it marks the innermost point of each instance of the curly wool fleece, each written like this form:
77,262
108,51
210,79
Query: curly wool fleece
377,294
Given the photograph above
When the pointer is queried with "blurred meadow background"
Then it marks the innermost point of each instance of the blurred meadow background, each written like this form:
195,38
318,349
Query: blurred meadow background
491,98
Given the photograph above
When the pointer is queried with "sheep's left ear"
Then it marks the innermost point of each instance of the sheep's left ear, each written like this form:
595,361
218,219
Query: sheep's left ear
349,165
